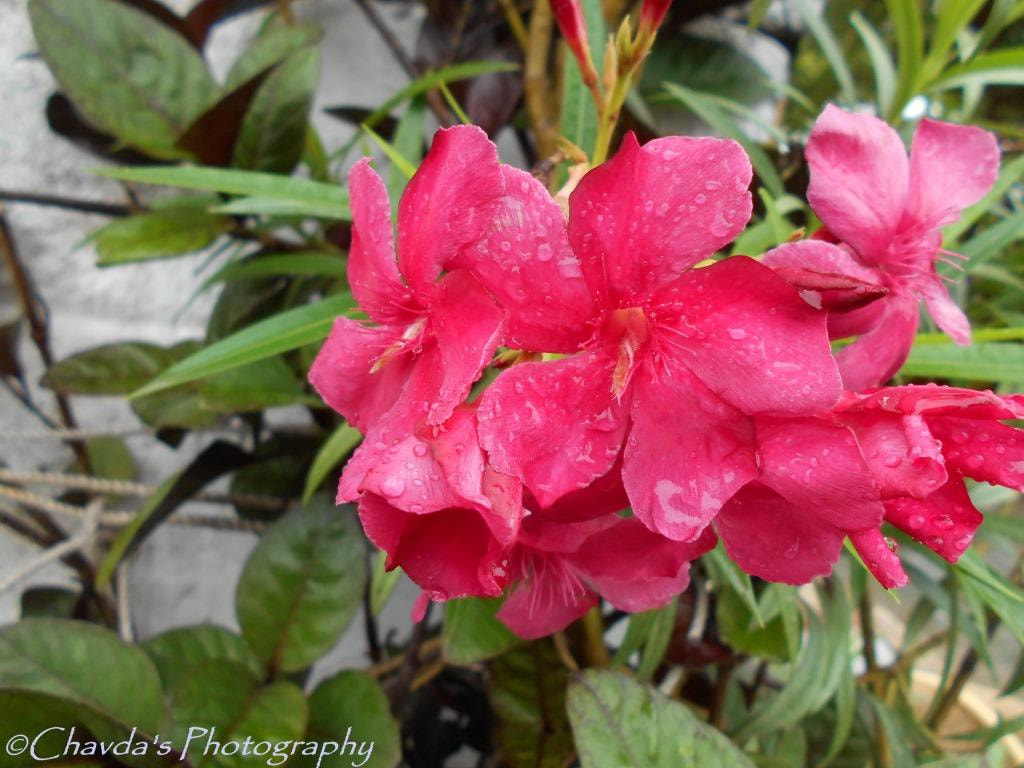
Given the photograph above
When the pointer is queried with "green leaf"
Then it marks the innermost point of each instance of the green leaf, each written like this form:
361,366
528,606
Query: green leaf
708,111
126,72
461,71
110,458
398,162
382,582
992,240
83,664
157,235
273,45
528,695
953,18
301,586
984,362
264,384
1000,67
881,61
224,701
905,17
177,651
472,631
725,571
830,48
408,143
579,113
273,133
741,630
30,714
177,407
353,700
619,722
658,638
815,675
341,442
256,205
285,190
113,369
278,264
846,709
283,332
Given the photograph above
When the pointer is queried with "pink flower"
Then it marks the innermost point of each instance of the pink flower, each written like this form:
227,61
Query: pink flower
888,212
570,20
674,357
814,489
432,336
920,443
449,520
561,569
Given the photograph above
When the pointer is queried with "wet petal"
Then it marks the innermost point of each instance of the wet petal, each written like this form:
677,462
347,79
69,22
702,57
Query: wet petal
447,205
636,569
984,450
826,276
555,424
774,539
859,178
944,522
882,561
818,466
341,372
524,259
750,338
951,167
467,325
905,459
876,356
931,400
372,270
945,312
650,212
680,467
542,605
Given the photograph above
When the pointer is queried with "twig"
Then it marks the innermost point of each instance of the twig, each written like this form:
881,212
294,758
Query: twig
867,624
388,666
535,79
717,712
392,42
38,327
68,203
124,618
515,23
57,552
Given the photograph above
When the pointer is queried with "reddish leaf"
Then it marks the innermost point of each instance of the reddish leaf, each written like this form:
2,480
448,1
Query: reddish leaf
211,138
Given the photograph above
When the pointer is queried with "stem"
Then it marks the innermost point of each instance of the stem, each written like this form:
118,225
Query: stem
535,79
867,624
68,203
515,23
38,328
594,650
717,714
610,116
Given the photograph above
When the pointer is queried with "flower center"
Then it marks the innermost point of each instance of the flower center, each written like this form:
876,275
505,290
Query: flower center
625,333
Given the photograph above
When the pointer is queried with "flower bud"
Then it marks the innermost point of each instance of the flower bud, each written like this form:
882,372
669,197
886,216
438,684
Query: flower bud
569,17
653,13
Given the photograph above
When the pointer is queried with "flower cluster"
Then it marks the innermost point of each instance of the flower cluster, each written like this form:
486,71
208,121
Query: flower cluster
525,377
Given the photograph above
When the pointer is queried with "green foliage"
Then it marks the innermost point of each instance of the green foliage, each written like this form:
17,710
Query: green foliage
619,722
301,586
472,631
353,700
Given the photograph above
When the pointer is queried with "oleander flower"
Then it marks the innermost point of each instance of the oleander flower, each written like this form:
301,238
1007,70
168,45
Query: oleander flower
887,212
433,333
674,358
921,442
440,512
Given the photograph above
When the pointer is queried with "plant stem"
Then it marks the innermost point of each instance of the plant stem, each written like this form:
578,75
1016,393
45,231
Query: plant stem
535,79
610,117
867,624
594,650
515,23
38,328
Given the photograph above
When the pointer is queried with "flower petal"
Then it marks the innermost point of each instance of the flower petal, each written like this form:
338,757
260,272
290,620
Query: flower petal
983,450
859,178
951,167
447,204
931,400
372,270
650,212
555,425
524,259
944,311
409,477
826,276
883,562
636,569
750,338
541,606
904,458
341,372
467,325
818,466
423,545
945,522
678,471
605,496
774,539
875,357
